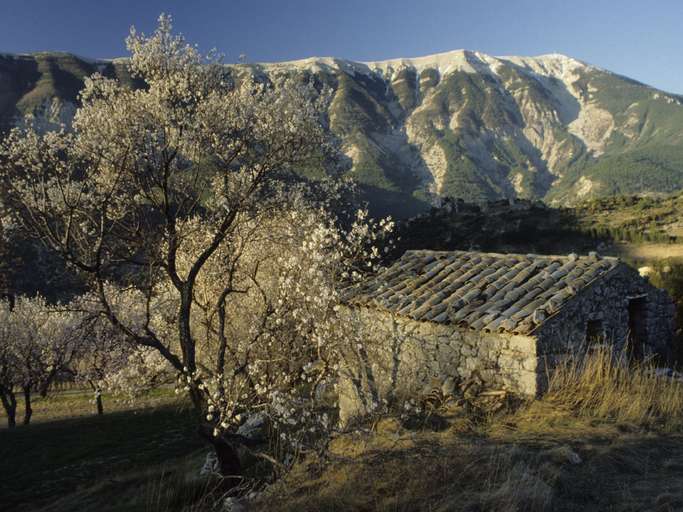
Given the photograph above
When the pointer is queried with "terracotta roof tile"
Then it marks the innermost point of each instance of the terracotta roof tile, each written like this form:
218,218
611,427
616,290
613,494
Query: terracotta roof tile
481,291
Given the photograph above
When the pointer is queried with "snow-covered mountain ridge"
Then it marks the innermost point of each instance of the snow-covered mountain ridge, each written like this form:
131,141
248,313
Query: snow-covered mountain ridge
459,123
553,64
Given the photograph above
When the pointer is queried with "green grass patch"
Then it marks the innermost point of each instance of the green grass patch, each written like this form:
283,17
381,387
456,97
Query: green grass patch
74,403
44,462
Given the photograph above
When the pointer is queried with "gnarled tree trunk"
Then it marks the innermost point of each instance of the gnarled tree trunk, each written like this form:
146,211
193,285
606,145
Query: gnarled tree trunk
98,397
9,402
28,410
98,401
229,464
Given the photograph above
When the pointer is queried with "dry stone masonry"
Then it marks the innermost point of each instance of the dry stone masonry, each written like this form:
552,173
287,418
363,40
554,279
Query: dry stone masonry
506,318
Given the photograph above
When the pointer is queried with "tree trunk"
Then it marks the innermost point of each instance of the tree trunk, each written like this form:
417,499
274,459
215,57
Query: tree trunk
228,459
12,418
9,402
28,410
98,401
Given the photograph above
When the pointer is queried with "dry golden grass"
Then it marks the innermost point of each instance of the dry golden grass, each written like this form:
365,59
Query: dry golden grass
606,436
606,385
410,471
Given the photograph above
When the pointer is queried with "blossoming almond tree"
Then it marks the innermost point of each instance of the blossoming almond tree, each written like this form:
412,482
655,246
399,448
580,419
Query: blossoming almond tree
8,364
177,190
275,345
37,342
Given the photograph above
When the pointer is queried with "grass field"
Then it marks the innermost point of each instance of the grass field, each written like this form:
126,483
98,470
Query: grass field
62,464
76,403
648,252
522,461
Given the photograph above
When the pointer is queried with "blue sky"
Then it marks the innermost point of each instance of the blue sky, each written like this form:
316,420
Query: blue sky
639,39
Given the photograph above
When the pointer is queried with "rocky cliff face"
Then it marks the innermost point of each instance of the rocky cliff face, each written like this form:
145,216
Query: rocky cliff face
461,124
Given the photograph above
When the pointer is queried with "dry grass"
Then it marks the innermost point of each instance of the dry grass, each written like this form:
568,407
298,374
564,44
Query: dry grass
605,437
410,471
606,385
647,251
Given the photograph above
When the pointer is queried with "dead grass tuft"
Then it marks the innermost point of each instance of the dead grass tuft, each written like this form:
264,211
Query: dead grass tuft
606,385
388,470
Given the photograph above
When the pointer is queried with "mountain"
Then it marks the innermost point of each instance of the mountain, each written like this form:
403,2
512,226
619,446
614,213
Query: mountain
461,124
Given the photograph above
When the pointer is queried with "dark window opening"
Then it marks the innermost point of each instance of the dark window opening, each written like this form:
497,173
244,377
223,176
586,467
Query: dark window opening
595,332
637,325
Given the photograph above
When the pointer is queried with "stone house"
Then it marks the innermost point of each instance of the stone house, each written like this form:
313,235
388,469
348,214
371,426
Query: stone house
509,317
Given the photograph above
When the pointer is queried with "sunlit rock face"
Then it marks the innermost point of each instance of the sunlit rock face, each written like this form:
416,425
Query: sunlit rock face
461,123
474,126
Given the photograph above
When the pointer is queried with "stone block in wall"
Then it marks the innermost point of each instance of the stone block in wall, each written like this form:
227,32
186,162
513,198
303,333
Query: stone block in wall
523,382
471,364
352,401
524,344
467,350
488,344
509,360
448,359
531,364
490,375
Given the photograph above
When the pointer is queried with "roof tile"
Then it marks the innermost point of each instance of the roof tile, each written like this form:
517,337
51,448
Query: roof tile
493,292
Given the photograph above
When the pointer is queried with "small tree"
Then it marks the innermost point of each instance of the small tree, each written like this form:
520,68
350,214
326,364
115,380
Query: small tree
103,352
8,364
37,342
5,288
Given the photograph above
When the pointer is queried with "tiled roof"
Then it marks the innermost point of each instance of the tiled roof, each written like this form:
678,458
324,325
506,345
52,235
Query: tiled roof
482,291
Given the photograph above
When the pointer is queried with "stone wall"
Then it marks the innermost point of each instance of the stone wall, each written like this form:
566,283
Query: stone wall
403,358
605,303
